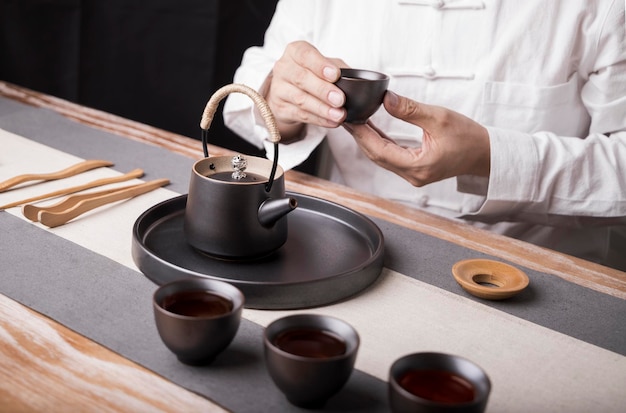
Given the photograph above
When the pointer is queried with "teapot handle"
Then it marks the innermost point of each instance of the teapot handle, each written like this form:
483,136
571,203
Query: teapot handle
264,109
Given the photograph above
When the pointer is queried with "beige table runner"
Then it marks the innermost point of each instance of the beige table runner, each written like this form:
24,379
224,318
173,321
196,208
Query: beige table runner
532,368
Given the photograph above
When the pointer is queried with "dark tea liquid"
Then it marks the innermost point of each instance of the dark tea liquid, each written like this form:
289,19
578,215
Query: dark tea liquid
310,342
228,177
438,386
198,304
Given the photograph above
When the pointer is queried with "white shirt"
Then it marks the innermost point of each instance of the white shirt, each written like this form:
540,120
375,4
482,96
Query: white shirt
547,78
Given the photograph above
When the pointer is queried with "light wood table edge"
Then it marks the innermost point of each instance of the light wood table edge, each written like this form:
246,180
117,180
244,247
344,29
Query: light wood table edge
45,366
591,275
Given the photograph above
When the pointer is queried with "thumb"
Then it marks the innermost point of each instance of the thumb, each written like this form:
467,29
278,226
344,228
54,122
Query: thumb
408,110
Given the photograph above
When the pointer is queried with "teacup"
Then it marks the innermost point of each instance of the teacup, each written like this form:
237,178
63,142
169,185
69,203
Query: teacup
197,318
310,357
437,382
364,90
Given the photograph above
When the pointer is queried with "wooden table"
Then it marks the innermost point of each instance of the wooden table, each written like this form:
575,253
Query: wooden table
43,364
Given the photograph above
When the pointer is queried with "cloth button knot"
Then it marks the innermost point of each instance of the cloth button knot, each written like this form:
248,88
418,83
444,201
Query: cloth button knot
429,72
438,4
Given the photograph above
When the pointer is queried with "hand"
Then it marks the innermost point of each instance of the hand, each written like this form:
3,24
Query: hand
301,90
452,144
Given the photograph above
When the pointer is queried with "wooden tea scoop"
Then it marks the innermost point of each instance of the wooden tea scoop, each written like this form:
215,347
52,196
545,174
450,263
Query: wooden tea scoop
60,217
32,211
64,173
135,173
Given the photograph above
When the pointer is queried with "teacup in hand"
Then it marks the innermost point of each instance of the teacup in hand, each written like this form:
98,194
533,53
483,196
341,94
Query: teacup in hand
197,318
437,382
310,357
364,90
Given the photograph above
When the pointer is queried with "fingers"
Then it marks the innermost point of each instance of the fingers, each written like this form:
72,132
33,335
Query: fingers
307,56
415,164
302,88
385,152
291,103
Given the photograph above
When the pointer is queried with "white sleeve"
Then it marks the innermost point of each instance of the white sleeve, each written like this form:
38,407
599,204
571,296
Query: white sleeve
557,180
292,21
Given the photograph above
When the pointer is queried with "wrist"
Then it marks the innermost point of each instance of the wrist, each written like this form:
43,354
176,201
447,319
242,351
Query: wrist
290,132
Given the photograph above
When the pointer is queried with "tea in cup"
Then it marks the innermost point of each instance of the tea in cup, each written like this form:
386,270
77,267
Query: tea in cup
310,357
197,318
437,382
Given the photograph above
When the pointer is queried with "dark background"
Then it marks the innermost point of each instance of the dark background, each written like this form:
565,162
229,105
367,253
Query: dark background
154,61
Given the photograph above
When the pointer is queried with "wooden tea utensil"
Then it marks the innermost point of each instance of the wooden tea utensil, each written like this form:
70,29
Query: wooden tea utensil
32,211
135,173
489,279
64,173
69,209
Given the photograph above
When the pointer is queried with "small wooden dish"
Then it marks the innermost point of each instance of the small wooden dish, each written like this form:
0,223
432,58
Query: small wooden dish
488,279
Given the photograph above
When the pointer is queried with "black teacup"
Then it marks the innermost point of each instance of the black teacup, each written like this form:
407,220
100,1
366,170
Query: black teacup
310,357
364,90
436,383
197,318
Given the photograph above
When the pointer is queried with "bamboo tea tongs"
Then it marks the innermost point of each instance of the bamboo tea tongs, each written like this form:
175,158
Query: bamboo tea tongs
51,176
135,173
75,205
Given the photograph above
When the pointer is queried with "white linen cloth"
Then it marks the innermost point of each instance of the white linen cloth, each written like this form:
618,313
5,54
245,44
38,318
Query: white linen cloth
532,368
548,79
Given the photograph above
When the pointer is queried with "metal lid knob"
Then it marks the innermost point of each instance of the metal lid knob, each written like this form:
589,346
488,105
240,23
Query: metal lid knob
239,164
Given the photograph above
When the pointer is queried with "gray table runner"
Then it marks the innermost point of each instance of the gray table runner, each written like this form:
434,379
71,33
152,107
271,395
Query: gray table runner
86,291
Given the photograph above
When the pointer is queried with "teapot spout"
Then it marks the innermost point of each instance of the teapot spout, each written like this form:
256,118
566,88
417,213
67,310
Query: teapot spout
271,210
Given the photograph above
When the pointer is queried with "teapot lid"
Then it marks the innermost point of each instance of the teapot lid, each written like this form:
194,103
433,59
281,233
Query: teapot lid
238,172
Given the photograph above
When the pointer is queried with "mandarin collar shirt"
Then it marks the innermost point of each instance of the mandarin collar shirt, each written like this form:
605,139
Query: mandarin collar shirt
547,79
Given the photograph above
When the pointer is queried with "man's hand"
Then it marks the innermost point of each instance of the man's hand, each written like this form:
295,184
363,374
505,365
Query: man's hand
452,144
301,90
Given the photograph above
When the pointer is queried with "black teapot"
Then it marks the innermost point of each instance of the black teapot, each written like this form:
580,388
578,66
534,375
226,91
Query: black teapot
236,205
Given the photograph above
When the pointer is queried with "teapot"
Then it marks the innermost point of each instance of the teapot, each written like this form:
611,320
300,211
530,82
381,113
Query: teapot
236,205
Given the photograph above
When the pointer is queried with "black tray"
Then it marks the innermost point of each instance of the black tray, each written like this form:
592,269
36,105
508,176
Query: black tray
331,253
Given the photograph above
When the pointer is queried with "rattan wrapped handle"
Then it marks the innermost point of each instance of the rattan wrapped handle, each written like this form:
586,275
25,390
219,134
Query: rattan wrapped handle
261,103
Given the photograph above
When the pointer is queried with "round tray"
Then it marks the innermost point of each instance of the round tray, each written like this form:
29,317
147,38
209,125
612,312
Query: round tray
331,253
